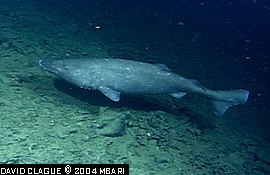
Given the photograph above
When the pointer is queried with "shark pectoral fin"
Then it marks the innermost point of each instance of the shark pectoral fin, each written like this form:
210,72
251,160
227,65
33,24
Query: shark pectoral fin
178,94
110,93
221,106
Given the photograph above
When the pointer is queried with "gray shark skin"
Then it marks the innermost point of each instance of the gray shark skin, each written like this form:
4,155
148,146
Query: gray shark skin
115,76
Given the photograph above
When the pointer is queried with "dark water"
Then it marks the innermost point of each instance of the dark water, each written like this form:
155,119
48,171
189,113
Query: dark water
223,44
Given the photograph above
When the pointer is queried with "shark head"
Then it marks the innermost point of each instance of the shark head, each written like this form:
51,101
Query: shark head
64,69
55,67
49,66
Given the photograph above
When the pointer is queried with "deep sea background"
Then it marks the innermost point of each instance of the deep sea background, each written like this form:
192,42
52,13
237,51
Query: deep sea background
224,44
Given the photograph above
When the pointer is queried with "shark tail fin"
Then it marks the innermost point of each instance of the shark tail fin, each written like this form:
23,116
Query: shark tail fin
232,97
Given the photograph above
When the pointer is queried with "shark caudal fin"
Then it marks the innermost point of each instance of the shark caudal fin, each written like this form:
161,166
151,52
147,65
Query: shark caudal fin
231,98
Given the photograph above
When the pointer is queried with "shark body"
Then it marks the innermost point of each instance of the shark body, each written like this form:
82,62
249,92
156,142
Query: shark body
115,76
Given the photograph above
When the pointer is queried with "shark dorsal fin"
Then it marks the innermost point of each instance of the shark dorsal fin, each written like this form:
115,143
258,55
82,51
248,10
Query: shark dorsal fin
163,67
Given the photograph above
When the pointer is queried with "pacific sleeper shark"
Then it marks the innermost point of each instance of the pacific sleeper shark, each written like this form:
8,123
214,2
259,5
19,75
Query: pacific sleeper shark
115,76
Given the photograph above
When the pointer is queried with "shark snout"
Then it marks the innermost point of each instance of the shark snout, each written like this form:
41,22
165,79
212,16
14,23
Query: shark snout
48,65
40,63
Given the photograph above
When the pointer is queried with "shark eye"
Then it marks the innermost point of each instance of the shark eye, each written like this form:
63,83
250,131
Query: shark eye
66,67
